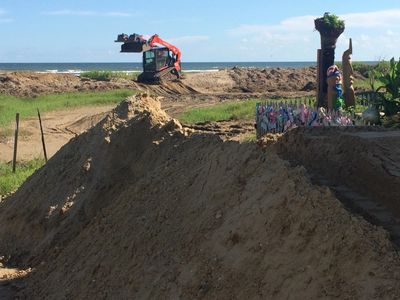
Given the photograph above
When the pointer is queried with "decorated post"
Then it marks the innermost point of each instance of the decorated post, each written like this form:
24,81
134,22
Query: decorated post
335,92
349,97
330,28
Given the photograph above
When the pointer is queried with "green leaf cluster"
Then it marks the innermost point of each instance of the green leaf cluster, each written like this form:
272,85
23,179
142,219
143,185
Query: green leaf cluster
390,79
333,21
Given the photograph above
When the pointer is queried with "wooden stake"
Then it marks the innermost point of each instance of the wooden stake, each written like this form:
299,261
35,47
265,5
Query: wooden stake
41,130
15,141
319,78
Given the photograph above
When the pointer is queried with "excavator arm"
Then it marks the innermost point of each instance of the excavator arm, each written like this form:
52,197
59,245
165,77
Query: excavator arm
155,39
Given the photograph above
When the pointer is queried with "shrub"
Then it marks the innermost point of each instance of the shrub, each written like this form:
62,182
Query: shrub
390,79
329,22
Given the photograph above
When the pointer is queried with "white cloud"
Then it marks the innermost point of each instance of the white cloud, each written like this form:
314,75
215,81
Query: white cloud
390,32
295,38
295,24
4,17
382,18
67,12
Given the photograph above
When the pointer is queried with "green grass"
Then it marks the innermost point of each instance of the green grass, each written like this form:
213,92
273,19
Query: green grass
9,181
108,75
239,110
10,105
249,138
363,84
220,112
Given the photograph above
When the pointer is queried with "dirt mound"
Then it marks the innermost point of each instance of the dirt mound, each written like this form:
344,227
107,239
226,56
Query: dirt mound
217,82
253,80
236,82
30,84
273,80
135,208
367,159
84,123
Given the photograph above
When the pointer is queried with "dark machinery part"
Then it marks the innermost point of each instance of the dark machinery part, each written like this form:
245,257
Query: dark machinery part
159,63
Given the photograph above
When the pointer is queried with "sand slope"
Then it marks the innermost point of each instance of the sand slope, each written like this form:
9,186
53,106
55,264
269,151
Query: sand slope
134,208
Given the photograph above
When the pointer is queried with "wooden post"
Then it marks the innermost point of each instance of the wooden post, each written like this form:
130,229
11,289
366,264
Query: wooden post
319,79
15,141
41,130
348,73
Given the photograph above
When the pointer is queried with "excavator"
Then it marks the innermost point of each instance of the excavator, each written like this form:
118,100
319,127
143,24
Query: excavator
159,63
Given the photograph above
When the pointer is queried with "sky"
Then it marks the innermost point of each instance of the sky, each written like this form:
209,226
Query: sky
204,30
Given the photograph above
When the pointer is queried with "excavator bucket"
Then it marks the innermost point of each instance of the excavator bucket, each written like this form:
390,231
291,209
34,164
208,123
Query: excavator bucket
133,43
134,47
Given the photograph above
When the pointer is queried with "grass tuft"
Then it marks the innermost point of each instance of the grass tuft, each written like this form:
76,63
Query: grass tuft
249,138
220,112
108,75
9,181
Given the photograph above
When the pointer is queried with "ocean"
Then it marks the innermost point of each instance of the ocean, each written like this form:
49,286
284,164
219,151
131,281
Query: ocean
135,66
77,68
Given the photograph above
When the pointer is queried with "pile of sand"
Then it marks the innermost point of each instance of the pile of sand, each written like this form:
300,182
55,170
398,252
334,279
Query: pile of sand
31,84
251,80
273,80
135,208
237,81
367,159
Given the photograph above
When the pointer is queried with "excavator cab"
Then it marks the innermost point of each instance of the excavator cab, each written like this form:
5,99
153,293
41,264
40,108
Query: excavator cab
156,60
158,63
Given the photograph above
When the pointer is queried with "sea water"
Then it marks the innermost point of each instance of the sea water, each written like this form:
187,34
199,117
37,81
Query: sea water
77,68
134,66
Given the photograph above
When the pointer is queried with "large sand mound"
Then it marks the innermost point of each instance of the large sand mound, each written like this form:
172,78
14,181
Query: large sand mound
134,208
252,80
362,166
366,159
30,84
236,82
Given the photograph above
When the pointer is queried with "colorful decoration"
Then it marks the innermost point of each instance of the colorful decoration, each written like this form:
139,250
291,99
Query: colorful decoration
278,118
335,92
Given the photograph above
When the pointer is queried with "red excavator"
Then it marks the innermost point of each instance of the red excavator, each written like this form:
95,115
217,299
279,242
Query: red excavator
159,63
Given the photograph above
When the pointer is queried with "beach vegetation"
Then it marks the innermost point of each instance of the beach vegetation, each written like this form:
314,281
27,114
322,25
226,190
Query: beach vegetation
390,86
365,69
108,75
249,138
10,181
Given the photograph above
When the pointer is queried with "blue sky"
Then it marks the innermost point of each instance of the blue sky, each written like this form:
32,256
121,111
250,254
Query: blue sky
205,30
